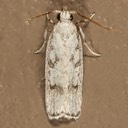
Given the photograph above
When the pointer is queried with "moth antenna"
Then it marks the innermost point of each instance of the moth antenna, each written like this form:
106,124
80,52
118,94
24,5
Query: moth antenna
108,28
38,16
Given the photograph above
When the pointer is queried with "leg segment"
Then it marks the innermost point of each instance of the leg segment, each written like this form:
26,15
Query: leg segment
45,41
85,20
45,35
49,19
89,49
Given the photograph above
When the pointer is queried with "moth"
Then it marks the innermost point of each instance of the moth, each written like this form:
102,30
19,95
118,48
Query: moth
64,65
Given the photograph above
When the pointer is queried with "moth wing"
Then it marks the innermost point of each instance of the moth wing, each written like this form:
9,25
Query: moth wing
63,100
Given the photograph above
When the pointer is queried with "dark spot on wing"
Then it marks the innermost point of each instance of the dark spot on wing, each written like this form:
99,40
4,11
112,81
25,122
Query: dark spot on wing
78,63
52,63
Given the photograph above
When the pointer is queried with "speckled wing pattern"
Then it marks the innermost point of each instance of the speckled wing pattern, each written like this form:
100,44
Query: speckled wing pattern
64,72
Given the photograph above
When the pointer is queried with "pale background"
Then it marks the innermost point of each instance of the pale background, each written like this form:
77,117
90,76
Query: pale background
105,88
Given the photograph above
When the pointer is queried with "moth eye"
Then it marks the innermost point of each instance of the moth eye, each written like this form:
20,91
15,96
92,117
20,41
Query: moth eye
71,17
58,16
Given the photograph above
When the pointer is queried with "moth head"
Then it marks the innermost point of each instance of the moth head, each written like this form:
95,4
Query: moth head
64,15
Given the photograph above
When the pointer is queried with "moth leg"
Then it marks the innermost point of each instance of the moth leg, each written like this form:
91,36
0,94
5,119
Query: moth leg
92,53
45,34
83,36
49,19
45,41
85,20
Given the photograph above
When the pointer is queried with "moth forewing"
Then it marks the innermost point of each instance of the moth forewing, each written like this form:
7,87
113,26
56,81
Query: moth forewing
64,72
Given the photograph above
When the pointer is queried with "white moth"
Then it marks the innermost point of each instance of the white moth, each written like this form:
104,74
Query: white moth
64,66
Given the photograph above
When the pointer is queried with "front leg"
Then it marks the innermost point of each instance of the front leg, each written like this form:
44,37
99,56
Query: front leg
45,34
45,41
91,53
